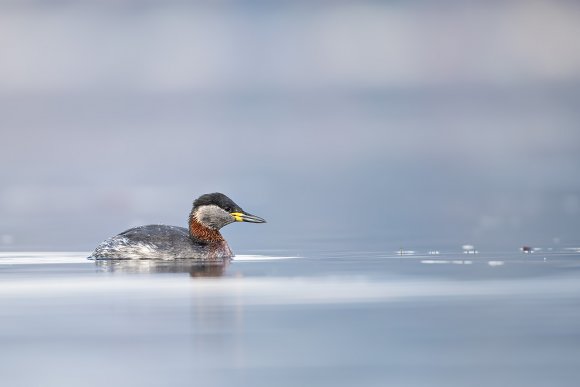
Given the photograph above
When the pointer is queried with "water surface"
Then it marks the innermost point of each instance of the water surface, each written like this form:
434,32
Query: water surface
277,319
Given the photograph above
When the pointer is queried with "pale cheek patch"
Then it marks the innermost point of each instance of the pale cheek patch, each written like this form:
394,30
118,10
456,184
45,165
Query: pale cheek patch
212,216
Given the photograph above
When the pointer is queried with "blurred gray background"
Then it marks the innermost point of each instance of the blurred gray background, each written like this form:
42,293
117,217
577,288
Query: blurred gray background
363,124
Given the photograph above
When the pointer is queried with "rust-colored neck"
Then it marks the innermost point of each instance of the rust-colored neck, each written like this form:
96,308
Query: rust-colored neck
201,232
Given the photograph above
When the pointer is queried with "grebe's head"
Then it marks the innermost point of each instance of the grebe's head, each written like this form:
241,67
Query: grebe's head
216,210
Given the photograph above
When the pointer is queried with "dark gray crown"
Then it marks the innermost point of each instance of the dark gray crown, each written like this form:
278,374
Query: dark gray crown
217,199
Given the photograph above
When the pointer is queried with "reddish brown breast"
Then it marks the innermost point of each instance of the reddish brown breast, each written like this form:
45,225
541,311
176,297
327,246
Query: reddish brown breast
199,231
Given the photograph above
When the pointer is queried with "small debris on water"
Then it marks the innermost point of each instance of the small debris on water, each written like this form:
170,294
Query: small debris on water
469,249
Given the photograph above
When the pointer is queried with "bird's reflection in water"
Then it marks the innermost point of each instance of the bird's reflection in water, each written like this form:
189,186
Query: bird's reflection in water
214,268
215,324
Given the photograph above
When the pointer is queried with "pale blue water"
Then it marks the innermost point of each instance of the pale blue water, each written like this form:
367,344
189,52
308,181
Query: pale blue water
322,319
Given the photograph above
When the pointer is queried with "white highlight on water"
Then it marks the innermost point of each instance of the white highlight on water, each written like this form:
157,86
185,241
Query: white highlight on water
60,257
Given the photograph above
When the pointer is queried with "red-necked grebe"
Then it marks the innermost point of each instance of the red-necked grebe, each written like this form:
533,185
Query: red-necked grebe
202,240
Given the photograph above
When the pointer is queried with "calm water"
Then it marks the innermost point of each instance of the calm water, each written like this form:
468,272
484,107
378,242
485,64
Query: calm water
325,319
